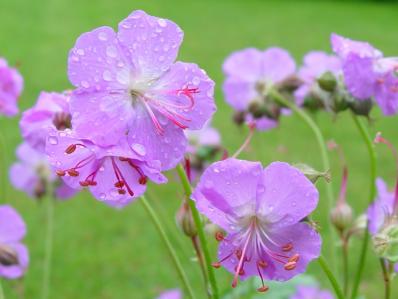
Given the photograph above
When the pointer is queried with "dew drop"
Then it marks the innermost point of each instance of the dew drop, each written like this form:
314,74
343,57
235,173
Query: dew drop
162,22
139,149
53,140
102,36
111,51
195,81
106,75
85,84
80,52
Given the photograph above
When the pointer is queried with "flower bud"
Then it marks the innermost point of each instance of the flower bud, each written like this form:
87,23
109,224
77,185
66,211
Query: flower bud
239,117
257,109
361,107
359,226
327,82
312,174
8,256
386,242
341,216
185,221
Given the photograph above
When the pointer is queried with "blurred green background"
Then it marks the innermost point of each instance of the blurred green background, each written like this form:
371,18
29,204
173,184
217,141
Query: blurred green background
104,253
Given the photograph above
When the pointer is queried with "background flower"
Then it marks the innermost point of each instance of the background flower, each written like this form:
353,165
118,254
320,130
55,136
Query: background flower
14,258
11,84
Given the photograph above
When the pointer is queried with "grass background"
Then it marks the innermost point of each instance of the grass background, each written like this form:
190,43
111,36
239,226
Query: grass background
102,253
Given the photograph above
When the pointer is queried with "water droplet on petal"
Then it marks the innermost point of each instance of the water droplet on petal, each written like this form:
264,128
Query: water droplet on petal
162,22
139,149
111,51
106,75
53,140
102,36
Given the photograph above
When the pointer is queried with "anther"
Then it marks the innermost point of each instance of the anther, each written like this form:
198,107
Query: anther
60,172
123,159
84,183
142,180
92,183
119,184
290,266
238,253
294,258
121,191
73,172
241,271
263,289
70,149
219,236
287,247
262,264
216,265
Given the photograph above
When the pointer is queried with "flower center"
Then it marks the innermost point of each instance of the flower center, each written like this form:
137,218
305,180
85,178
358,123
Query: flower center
171,104
254,243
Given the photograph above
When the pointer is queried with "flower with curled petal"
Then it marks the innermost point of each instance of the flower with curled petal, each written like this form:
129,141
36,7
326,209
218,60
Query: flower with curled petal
261,210
115,175
50,111
128,83
14,257
367,73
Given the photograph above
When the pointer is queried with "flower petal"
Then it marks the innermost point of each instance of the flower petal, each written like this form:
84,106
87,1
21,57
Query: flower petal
150,43
168,147
245,65
96,62
101,117
277,64
12,226
239,93
226,191
285,195
359,76
387,94
344,46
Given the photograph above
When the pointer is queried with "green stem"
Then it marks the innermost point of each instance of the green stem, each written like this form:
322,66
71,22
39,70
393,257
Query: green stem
331,277
372,192
201,234
169,246
324,156
1,290
386,278
344,248
49,202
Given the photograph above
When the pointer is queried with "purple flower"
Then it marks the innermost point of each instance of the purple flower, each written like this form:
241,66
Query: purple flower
367,73
171,294
381,210
115,174
51,111
250,75
32,173
128,83
261,210
311,292
14,257
11,84
316,63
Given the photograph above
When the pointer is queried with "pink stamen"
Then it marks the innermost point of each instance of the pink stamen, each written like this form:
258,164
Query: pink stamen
158,127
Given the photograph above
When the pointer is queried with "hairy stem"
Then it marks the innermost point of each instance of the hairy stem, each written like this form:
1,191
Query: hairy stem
386,279
324,156
159,227
344,249
372,193
198,251
331,277
201,234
